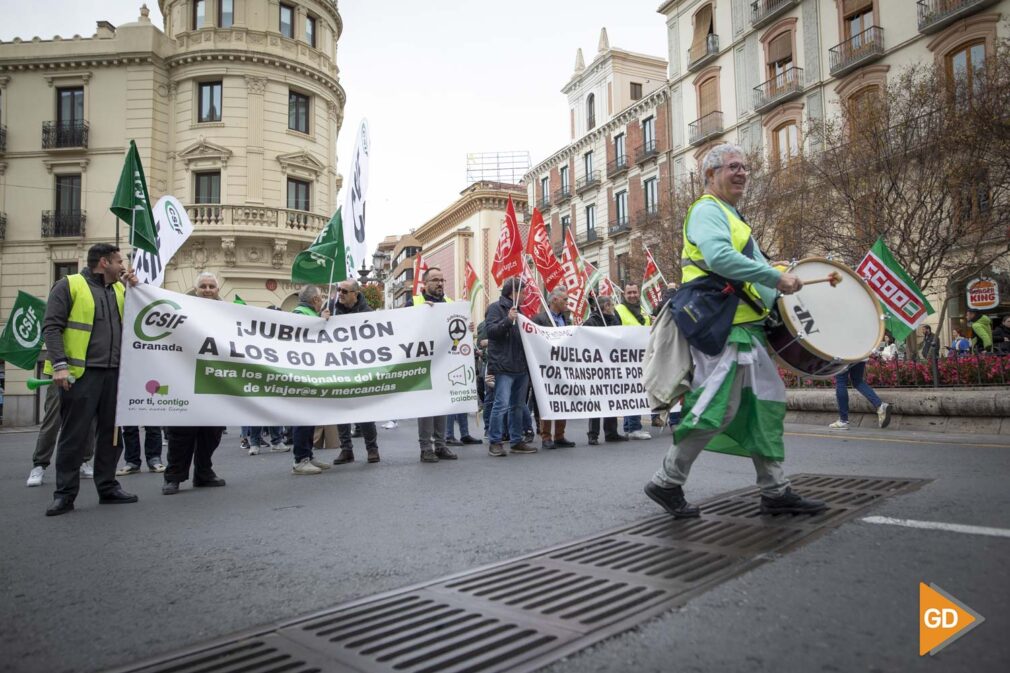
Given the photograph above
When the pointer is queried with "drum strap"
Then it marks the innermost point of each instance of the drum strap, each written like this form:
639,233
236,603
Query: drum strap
731,287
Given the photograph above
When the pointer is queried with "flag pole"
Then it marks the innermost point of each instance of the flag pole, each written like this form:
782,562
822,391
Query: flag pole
543,302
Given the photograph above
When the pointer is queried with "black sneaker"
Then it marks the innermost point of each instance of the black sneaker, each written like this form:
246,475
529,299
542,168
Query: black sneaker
428,456
528,436
563,443
453,442
791,502
593,441
445,454
617,438
467,439
673,501
548,444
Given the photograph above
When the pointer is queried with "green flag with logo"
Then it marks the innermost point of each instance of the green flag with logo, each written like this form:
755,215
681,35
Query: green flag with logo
21,339
132,205
323,263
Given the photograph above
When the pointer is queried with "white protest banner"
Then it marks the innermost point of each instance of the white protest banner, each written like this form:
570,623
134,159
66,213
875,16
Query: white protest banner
354,203
172,226
586,372
192,361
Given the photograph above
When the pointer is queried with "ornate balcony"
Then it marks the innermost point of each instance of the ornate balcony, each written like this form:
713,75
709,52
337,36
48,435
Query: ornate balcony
763,12
543,204
618,226
935,15
562,195
64,135
647,216
778,89
3,138
857,51
63,223
705,128
617,166
646,151
705,55
271,221
589,237
588,181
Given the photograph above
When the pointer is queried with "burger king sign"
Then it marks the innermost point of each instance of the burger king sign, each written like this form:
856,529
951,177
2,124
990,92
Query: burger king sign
983,294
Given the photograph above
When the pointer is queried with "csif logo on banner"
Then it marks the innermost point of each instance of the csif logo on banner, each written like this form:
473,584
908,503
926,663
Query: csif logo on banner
27,327
156,321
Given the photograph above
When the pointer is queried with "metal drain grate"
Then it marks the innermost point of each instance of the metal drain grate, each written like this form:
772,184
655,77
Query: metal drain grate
522,614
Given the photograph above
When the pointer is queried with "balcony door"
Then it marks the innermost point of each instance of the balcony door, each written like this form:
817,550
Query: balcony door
68,194
69,106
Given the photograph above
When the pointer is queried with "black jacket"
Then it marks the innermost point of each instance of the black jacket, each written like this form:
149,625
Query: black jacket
596,320
504,345
1001,339
545,320
362,306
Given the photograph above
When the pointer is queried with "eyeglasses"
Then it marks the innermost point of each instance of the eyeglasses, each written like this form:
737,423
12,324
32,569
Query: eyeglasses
737,167
342,290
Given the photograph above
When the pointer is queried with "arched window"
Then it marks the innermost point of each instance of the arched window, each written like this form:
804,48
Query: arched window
590,112
963,64
786,142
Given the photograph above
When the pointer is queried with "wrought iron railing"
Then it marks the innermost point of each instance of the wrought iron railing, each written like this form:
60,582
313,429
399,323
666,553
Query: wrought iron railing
619,225
588,180
59,223
763,12
784,86
937,14
647,216
617,166
857,50
56,135
589,237
563,194
646,150
705,127
704,54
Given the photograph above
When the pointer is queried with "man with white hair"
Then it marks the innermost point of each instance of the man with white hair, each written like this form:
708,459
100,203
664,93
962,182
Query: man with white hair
737,399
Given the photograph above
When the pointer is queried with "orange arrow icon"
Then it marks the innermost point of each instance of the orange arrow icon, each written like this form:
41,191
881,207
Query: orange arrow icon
942,619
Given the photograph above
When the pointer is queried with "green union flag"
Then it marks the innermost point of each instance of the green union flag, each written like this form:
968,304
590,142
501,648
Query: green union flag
324,261
132,205
21,339
905,305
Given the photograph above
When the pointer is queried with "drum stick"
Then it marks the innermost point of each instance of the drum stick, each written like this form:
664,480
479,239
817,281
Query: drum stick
834,278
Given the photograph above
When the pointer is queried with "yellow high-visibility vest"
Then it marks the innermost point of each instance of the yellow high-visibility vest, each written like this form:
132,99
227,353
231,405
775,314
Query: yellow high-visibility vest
77,334
694,266
628,318
419,299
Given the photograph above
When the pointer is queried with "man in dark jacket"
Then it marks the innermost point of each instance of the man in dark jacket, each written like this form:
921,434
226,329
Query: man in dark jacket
1001,337
552,433
350,299
83,331
432,428
602,314
507,363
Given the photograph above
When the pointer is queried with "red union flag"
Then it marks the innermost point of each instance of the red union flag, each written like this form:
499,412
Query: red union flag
574,278
420,266
508,257
474,286
538,245
903,301
653,283
531,300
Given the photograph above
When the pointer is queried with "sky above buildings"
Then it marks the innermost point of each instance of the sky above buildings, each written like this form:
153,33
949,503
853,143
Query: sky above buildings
436,80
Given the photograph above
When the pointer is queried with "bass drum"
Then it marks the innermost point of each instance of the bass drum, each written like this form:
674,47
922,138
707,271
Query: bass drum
823,329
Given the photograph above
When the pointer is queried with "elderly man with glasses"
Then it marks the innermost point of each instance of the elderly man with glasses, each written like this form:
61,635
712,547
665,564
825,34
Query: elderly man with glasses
350,299
737,402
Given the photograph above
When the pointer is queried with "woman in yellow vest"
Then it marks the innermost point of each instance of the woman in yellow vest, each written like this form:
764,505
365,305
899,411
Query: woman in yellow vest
737,402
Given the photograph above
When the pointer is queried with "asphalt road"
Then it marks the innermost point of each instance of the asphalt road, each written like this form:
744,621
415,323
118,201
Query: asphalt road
108,585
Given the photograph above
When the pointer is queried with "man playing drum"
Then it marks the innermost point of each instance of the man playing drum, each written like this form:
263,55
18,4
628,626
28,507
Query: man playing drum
737,402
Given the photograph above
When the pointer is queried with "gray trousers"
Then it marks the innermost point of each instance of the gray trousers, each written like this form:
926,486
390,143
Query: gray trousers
677,463
431,428
45,444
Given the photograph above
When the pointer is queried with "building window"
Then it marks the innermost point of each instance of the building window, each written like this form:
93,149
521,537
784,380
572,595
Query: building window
207,188
857,17
225,13
649,133
780,58
310,30
199,14
619,151
68,194
566,224
298,112
591,219
785,142
590,111
622,269
63,269
704,25
563,172
963,65
636,90
587,160
298,194
708,96
287,21
621,203
210,102
545,186
863,103
70,106
651,195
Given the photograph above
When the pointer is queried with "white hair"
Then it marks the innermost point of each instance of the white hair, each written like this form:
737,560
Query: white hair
558,292
206,274
308,293
716,157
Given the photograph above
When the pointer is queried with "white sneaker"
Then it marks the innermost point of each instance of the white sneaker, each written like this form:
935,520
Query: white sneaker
35,476
253,450
305,467
87,472
884,415
639,434
320,464
839,425
389,425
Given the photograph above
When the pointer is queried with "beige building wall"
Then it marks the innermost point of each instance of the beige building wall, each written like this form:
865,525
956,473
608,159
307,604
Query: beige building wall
142,83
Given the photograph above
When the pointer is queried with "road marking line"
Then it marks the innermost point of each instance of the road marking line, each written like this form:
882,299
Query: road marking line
940,442
937,525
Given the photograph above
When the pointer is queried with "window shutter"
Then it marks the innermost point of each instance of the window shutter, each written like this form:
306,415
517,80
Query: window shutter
708,95
850,7
781,48
702,27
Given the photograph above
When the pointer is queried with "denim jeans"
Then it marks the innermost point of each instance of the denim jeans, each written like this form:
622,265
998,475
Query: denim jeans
855,375
509,396
453,420
253,433
303,441
632,423
488,404
152,444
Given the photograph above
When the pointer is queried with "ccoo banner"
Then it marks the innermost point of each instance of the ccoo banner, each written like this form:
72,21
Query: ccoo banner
193,361
585,372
